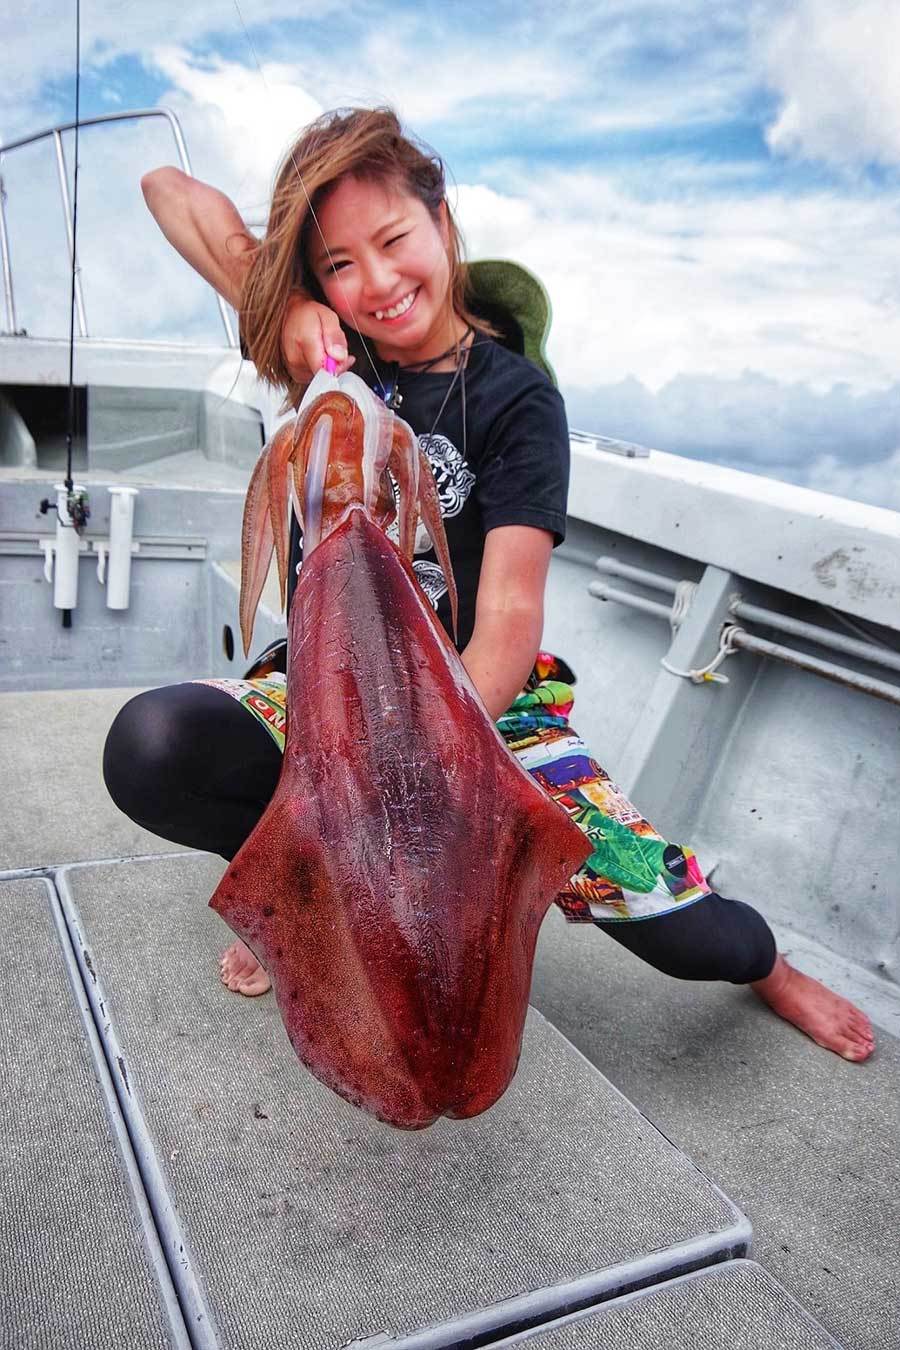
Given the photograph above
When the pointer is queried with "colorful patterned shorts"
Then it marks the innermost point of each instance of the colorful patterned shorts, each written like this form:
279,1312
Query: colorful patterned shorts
633,872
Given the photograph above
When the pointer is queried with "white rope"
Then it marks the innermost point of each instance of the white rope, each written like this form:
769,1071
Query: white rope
684,596
708,674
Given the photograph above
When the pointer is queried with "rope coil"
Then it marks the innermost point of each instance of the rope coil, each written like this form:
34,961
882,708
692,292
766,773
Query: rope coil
709,674
681,604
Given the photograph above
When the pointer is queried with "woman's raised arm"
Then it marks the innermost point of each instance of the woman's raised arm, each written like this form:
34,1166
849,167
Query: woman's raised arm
204,226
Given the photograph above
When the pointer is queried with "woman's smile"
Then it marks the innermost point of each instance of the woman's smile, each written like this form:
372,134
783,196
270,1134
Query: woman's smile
398,311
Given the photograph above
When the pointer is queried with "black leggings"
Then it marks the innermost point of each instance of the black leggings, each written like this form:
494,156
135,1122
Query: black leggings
189,763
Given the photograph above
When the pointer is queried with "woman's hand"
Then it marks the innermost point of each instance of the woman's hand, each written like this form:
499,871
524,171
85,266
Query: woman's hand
309,333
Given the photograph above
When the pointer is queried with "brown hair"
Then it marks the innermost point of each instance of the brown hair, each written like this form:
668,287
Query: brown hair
366,143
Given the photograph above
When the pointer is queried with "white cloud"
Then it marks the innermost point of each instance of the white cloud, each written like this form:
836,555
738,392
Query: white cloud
239,119
878,483
429,82
801,288
39,48
755,421
834,64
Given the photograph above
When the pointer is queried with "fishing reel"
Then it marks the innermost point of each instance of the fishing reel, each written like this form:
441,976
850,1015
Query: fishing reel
78,509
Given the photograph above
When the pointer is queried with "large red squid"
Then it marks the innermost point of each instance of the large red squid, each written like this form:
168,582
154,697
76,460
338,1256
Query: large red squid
395,885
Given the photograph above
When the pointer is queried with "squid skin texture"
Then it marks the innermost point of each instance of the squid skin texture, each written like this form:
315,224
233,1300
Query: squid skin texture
395,886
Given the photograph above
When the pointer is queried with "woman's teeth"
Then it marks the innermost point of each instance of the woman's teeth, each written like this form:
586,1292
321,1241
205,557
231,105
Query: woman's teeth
396,310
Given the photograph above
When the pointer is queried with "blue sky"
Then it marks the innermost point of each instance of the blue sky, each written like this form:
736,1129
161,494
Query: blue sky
709,189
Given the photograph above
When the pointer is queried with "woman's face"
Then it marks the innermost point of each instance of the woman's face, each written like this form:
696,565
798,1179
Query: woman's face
385,271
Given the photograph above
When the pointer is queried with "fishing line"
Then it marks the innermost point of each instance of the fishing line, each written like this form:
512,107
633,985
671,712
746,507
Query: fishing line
309,204
70,431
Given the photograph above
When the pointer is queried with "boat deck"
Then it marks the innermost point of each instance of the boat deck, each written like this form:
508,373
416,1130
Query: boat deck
194,1186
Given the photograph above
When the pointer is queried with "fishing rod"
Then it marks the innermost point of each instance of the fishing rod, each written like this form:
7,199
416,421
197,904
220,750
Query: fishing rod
75,503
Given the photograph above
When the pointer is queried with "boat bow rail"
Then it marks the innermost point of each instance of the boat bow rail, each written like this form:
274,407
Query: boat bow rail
55,134
733,637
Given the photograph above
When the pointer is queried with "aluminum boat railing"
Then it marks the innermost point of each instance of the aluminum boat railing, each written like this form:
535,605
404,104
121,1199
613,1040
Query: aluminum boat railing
56,134
738,639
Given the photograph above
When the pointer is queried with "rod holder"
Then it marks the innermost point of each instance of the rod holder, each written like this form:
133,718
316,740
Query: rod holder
67,547
121,547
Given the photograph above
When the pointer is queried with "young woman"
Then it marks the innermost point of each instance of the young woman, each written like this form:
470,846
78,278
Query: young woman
361,262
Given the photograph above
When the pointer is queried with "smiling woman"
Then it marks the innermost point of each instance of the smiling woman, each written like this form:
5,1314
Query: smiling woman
361,262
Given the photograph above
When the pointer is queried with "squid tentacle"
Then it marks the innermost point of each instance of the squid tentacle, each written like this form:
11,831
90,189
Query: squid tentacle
404,465
338,451
281,451
430,511
257,544
316,473
384,511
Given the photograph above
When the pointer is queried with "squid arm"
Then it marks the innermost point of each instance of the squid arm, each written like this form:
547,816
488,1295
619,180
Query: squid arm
404,465
430,510
281,452
257,544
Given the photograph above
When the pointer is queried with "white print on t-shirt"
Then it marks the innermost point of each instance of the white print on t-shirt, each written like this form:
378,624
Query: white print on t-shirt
432,580
422,542
452,474
454,481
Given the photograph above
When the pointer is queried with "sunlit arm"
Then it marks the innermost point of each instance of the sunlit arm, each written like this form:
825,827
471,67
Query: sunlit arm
203,225
509,614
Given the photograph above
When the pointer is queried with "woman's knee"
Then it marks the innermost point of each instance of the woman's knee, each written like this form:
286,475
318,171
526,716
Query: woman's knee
746,948
144,754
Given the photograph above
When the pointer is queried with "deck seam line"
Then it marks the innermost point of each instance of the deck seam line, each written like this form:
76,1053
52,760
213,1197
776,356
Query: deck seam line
583,1315
118,1125
175,1249
538,1309
51,869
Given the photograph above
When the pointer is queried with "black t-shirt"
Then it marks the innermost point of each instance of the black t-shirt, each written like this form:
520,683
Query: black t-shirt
509,465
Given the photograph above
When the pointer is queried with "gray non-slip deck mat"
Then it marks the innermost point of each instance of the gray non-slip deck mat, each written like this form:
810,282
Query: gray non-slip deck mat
74,1268
735,1306
52,752
806,1143
307,1223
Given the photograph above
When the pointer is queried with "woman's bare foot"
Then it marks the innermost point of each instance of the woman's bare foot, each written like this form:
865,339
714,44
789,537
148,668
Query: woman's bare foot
241,972
830,1020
